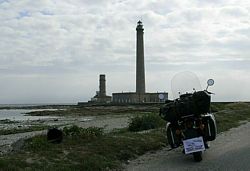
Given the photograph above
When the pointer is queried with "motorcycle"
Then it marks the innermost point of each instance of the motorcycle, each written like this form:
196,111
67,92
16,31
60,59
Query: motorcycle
189,121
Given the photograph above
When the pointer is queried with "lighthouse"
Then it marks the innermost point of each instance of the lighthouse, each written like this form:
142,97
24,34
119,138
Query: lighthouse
140,95
140,70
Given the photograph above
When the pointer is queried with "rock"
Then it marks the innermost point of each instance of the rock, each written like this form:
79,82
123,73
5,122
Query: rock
54,135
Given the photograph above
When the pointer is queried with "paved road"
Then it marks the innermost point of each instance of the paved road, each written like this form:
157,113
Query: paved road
230,151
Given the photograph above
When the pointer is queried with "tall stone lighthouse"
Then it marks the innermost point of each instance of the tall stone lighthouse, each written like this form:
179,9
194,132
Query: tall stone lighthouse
140,71
140,96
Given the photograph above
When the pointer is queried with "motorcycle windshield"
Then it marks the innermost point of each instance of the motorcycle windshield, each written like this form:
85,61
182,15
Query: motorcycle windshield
185,82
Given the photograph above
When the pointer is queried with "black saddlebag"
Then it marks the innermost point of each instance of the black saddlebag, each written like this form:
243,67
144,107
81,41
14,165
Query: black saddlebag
210,127
173,139
188,104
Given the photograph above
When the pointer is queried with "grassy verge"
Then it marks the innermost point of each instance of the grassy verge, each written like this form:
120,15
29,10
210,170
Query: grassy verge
230,115
90,149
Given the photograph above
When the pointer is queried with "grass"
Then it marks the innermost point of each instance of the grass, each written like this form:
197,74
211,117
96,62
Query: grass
145,122
21,130
90,149
230,115
7,121
99,110
76,152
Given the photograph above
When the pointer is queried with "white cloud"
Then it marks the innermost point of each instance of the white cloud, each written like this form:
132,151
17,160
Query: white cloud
74,41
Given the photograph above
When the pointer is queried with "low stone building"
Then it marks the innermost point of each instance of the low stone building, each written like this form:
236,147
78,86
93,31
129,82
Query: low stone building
132,97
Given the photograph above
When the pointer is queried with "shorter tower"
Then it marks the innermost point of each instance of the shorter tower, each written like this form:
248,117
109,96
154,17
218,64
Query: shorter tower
102,86
101,96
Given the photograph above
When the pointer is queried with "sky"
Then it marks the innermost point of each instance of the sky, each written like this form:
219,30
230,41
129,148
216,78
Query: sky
52,51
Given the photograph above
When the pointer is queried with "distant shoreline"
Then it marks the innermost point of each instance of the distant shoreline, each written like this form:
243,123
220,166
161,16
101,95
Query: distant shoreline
70,105
36,106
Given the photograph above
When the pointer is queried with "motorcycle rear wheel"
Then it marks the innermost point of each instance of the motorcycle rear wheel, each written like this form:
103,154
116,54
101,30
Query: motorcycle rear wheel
197,156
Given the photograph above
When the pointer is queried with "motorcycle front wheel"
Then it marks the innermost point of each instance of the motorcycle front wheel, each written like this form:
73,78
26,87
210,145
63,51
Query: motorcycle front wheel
197,156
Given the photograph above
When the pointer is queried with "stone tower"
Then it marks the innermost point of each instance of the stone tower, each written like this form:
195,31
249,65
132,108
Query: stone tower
140,71
101,96
102,86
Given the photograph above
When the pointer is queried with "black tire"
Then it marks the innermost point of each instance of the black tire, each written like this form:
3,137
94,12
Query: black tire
197,156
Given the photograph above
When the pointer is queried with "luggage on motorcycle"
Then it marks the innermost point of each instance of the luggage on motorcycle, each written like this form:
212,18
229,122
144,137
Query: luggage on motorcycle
185,105
174,111
202,102
168,113
188,104
173,139
210,127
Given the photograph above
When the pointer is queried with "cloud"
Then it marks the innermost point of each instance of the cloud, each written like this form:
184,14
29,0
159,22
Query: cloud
70,40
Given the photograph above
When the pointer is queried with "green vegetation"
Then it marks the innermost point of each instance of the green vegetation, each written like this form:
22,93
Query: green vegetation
7,121
91,132
21,130
231,114
83,149
99,110
145,122
91,149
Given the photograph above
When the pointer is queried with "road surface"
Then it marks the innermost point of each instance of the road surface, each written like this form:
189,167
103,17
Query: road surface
230,151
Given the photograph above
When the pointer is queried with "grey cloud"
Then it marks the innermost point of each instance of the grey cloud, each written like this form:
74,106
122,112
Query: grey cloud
237,45
70,40
244,31
234,11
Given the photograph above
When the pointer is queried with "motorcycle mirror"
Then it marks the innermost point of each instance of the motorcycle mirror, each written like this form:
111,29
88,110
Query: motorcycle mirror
210,82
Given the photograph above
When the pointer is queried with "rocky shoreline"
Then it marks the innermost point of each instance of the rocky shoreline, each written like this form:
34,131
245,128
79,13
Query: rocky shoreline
36,106
107,117
10,142
13,142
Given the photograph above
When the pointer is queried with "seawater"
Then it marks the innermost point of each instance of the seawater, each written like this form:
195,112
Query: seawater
19,114
33,105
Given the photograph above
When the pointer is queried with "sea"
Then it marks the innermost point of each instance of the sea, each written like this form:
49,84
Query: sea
19,113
